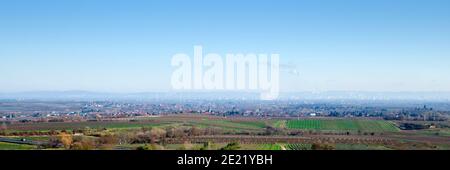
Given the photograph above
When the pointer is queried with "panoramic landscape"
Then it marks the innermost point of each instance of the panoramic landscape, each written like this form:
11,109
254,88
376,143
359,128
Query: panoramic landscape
225,124
180,77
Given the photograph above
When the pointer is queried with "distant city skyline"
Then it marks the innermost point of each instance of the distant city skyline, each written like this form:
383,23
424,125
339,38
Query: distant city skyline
127,46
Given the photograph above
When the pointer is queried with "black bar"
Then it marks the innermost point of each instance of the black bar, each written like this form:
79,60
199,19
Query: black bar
169,159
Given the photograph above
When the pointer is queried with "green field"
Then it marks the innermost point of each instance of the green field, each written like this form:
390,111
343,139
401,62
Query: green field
299,146
156,122
343,125
11,146
32,138
280,124
81,125
228,124
269,147
360,147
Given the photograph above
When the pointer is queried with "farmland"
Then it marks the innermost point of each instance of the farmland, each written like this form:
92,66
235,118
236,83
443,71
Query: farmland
203,132
299,146
11,146
342,125
201,122
270,147
80,125
227,124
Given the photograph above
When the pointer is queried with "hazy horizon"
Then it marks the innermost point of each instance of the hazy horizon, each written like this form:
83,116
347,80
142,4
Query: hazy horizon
231,95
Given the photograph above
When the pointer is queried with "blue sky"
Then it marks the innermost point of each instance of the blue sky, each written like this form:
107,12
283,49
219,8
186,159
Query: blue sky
127,45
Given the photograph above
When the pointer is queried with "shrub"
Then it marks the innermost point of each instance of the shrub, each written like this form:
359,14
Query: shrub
231,146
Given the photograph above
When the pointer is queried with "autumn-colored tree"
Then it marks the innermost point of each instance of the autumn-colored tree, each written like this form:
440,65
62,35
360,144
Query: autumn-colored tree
157,134
83,145
66,139
125,137
108,139
194,131
179,133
